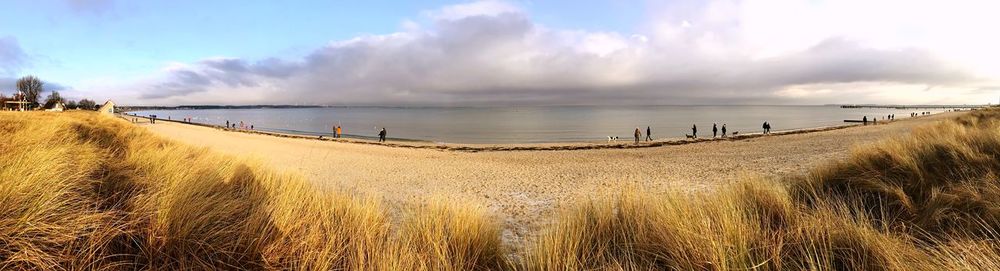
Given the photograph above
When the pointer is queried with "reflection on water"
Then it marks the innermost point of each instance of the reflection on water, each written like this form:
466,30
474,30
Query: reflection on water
532,124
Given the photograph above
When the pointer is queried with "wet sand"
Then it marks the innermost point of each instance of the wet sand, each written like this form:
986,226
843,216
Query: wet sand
525,188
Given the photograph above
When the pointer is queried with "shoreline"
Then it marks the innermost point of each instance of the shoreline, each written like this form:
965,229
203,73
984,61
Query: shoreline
549,146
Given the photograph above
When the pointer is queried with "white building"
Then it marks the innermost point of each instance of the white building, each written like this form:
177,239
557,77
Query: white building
59,107
108,108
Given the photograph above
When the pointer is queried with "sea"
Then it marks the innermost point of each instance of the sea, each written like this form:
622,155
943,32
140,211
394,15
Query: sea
531,124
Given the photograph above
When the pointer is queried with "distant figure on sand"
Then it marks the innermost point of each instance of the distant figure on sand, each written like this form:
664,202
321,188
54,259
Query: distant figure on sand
339,131
715,130
864,120
723,130
694,131
767,128
381,135
637,135
649,134
227,124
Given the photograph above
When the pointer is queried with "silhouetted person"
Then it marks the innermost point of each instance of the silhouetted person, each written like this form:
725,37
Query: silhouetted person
649,134
381,135
637,135
764,126
715,130
864,120
723,130
694,130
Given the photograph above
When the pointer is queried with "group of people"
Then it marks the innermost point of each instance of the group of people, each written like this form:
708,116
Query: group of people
649,134
338,132
864,119
241,127
694,131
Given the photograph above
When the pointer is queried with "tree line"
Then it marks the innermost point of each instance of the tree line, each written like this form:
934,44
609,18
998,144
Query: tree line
30,89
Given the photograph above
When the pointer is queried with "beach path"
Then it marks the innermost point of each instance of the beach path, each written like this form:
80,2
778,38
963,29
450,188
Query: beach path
525,188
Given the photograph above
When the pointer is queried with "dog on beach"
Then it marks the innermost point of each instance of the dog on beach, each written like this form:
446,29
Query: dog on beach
736,133
612,139
689,136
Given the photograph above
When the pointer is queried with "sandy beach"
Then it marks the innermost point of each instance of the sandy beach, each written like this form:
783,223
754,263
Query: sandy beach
525,188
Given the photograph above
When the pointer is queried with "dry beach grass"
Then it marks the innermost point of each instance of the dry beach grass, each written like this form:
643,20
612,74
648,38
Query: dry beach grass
82,191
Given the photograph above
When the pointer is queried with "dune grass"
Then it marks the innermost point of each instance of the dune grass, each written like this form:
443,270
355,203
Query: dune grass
84,191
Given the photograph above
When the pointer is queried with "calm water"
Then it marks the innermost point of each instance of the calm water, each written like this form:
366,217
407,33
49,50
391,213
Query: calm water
530,124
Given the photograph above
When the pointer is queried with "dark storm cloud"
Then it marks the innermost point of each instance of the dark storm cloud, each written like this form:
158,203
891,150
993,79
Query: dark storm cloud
840,61
8,86
505,58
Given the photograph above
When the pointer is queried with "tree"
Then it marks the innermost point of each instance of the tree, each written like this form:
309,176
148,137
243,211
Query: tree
87,105
53,99
71,104
31,86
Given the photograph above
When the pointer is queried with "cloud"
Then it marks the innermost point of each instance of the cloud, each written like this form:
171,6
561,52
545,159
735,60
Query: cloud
480,8
493,53
12,57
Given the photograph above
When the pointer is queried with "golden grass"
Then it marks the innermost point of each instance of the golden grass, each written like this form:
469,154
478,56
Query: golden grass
83,191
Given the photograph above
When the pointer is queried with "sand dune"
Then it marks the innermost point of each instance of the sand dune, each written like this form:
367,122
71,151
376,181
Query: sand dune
525,187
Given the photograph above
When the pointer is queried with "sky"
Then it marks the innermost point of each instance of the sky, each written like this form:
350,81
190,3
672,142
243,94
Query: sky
518,52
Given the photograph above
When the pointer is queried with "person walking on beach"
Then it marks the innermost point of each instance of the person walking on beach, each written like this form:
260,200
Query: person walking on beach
723,130
649,134
715,130
694,131
381,135
637,135
864,120
339,131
